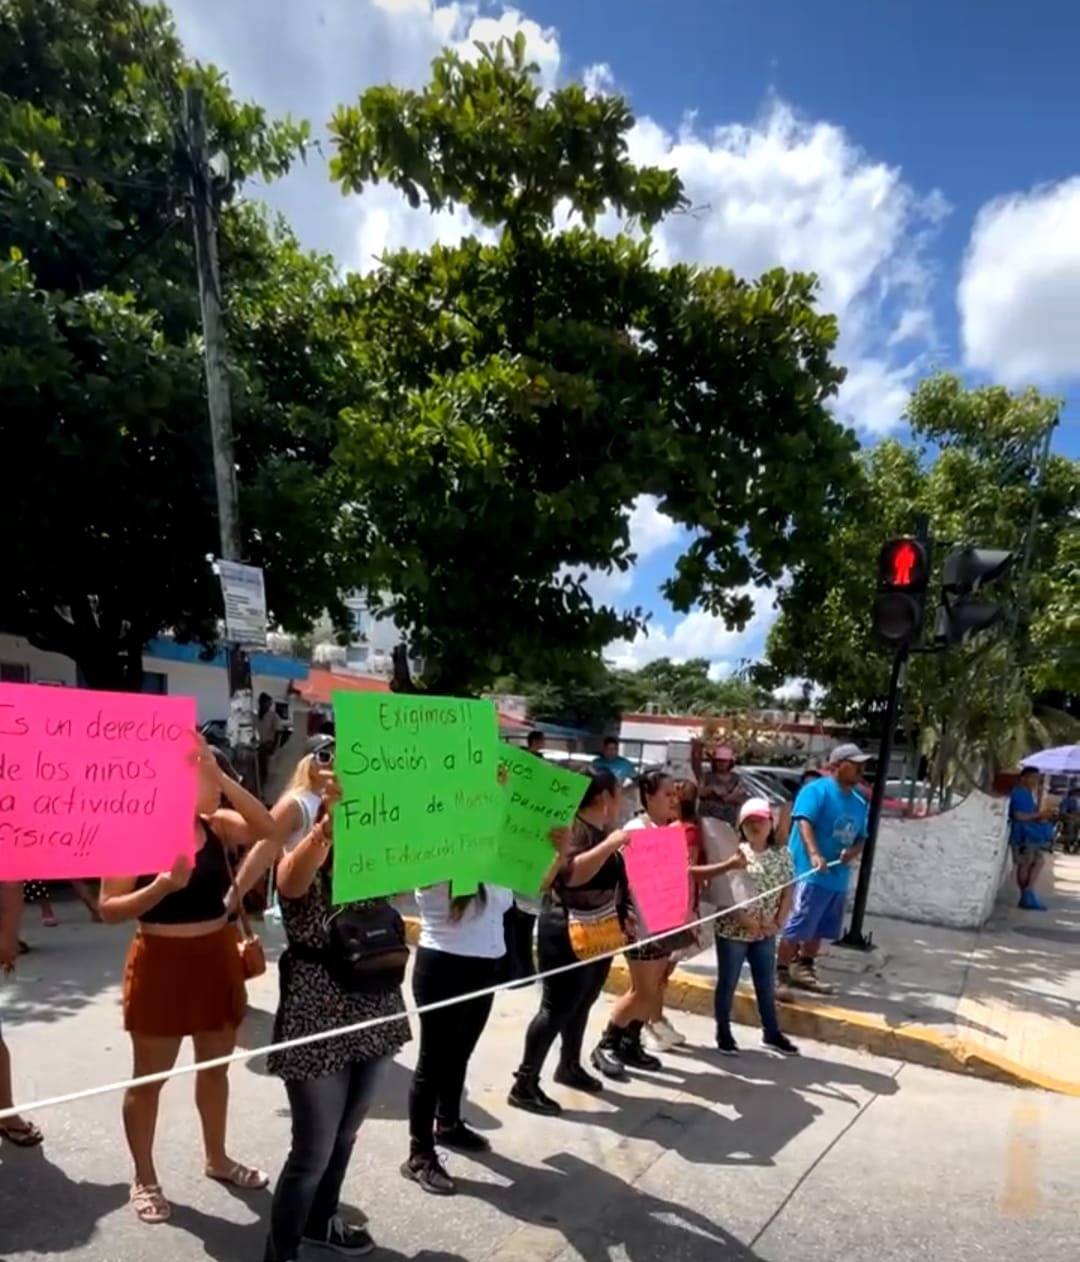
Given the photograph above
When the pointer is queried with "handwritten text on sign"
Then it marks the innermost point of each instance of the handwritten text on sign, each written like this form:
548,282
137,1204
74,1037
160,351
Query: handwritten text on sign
421,801
539,797
657,866
94,783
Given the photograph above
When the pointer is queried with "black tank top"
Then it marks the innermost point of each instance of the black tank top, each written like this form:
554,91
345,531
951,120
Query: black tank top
203,898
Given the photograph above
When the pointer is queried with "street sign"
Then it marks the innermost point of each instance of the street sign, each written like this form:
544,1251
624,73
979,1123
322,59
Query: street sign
245,603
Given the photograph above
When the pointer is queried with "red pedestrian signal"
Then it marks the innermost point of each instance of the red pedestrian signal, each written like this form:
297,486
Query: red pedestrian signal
903,577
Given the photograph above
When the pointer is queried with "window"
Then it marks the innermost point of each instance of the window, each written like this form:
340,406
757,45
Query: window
155,682
14,673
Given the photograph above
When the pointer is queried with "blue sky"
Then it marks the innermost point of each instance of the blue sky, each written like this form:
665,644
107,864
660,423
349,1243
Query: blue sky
922,157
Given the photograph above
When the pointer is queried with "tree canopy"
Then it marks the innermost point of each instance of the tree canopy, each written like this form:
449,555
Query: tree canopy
523,387
976,470
112,515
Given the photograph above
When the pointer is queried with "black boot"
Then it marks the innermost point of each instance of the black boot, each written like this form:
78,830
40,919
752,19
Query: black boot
578,1079
526,1094
607,1055
632,1054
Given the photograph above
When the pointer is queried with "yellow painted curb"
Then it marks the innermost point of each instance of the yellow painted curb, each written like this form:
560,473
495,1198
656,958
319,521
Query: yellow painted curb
844,1027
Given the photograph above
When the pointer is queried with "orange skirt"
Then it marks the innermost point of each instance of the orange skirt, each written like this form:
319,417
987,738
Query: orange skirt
174,987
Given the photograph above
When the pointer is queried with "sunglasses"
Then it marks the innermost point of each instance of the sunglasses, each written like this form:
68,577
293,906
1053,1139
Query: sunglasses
324,757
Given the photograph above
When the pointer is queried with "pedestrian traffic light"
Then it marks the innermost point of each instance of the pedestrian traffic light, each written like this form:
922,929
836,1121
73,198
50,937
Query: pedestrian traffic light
903,576
966,572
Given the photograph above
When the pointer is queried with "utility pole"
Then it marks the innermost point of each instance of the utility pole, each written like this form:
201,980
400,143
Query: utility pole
241,719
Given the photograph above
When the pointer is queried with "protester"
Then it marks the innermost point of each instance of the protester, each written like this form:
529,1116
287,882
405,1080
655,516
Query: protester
649,964
462,944
748,935
535,742
579,919
1031,837
609,759
330,1083
183,977
828,828
16,1130
720,789
37,893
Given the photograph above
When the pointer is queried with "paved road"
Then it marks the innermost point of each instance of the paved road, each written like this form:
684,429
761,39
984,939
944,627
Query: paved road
834,1156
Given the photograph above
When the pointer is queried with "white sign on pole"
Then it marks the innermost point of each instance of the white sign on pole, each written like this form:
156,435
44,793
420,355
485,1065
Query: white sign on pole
245,603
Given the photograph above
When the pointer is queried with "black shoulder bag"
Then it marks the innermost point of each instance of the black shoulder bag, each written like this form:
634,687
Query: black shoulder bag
367,950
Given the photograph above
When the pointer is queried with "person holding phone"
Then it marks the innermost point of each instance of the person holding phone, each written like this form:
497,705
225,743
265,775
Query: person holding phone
330,1083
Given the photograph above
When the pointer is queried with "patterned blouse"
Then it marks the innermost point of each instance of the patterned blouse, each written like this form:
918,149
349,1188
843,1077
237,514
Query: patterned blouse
311,1001
765,870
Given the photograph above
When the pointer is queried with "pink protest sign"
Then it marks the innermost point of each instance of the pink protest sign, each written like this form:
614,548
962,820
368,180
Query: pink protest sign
657,865
94,783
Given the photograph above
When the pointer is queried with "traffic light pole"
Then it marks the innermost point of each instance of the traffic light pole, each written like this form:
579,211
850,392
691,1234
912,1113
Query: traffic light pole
855,936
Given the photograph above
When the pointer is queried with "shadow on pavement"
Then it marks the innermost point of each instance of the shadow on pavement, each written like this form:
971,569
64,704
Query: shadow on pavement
42,1210
773,1101
65,969
597,1212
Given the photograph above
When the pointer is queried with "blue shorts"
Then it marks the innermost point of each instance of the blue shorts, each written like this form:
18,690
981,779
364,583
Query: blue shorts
816,912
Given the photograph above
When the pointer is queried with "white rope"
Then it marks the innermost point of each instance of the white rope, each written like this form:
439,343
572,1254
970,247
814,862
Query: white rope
247,1053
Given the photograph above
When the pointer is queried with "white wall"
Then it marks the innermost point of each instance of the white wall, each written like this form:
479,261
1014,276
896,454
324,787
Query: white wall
45,668
942,869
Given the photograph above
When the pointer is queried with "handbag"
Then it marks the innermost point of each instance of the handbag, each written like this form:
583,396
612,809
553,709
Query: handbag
594,933
250,947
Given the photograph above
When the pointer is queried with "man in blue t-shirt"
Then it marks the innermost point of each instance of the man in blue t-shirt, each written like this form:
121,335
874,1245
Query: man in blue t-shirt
1031,836
611,760
828,828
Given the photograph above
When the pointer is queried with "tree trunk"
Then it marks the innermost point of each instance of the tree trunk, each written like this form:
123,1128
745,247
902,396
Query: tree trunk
107,650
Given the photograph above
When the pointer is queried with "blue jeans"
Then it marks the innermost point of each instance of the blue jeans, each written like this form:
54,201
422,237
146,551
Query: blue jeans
730,957
326,1114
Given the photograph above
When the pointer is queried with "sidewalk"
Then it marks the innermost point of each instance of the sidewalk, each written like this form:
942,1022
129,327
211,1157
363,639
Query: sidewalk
999,1003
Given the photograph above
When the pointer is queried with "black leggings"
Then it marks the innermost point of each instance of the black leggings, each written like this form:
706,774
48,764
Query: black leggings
448,1038
566,1000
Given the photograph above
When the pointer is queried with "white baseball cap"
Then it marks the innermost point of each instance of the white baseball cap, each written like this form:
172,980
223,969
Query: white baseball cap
755,808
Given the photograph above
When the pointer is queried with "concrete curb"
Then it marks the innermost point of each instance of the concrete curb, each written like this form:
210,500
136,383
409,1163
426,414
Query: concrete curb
864,1032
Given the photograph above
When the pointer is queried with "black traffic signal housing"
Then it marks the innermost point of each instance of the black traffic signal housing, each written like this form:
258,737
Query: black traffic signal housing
903,579
965,573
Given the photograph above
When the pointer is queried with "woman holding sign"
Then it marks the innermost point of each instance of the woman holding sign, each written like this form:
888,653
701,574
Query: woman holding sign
580,919
184,977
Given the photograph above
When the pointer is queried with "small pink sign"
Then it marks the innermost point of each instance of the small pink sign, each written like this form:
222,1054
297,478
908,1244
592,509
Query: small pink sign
94,783
657,865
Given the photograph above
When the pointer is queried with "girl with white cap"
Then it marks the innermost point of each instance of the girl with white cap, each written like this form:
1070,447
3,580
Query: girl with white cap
749,934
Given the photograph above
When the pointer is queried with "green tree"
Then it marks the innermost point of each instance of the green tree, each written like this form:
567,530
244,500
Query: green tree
111,516
521,392
975,469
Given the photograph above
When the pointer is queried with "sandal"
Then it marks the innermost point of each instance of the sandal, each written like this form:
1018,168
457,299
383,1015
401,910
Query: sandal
149,1204
21,1133
244,1178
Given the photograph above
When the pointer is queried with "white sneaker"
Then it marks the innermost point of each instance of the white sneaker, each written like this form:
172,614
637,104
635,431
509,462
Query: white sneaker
676,1036
661,1037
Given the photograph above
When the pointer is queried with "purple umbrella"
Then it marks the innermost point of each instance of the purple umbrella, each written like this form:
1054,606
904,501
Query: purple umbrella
1061,760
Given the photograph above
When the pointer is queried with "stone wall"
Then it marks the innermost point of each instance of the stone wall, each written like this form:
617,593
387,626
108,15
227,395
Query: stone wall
942,869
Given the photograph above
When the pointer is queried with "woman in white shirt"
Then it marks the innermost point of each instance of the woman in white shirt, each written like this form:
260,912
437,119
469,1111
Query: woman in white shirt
462,944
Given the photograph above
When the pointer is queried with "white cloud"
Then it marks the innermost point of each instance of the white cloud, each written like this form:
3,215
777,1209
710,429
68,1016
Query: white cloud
1019,291
698,634
801,195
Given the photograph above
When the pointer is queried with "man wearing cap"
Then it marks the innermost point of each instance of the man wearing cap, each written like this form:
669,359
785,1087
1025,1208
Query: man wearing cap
828,827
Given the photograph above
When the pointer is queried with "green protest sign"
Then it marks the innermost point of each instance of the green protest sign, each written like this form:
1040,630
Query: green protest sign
421,800
539,797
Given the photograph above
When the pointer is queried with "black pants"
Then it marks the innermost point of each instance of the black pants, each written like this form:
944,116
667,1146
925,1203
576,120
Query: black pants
518,962
447,1038
566,999
326,1114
